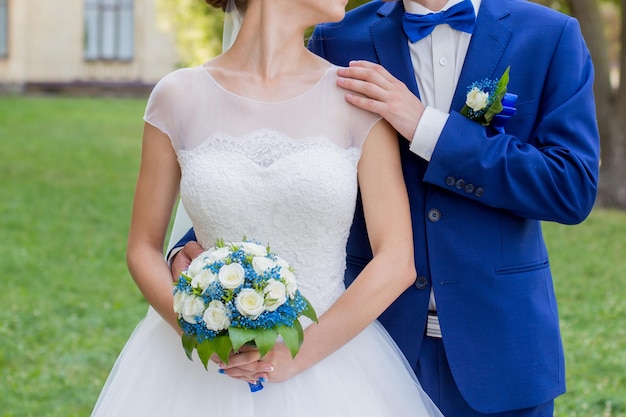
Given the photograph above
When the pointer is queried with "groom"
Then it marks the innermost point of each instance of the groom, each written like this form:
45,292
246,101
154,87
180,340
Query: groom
480,326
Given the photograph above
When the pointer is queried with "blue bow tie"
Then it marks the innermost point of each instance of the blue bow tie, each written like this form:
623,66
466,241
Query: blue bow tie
461,17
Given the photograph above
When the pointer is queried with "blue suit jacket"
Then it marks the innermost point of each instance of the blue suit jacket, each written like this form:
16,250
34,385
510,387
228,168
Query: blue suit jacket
477,206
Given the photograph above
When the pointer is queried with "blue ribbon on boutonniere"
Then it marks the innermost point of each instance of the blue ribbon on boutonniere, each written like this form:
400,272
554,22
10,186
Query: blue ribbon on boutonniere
508,110
488,103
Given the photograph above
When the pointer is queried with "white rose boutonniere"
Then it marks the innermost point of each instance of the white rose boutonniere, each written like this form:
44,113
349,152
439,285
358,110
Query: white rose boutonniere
488,103
477,99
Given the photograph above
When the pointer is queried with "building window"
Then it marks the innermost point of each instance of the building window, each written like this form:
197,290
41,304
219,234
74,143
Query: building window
109,30
4,29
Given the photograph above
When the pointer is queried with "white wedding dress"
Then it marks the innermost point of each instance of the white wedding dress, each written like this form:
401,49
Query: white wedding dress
284,174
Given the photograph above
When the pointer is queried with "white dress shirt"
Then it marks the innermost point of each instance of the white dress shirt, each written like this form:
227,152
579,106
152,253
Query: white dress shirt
437,62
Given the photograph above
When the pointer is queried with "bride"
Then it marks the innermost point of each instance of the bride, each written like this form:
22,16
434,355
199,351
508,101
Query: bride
260,142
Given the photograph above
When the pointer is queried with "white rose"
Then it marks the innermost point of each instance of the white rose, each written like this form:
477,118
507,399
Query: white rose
218,254
275,294
282,263
197,264
216,316
253,249
231,276
291,283
179,301
203,278
477,99
262,263
250,303
192,307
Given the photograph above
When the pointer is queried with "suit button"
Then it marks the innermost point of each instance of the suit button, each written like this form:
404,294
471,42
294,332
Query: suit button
450,181
479,191
459,184
434,215
469,188
421,283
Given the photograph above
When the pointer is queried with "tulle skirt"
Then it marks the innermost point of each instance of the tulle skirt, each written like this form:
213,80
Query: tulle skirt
366,377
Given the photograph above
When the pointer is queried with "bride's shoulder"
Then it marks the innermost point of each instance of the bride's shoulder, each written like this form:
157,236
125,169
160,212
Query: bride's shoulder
178,81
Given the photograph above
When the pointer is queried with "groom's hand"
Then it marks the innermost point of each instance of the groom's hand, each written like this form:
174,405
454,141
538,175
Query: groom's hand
180,261
380,92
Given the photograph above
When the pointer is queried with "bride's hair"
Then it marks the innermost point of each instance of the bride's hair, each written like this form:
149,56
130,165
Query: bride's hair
241,4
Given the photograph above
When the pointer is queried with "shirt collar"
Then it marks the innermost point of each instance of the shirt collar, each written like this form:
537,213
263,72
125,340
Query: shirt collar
413,6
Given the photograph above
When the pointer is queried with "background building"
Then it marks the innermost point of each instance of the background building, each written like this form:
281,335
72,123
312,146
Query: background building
92,46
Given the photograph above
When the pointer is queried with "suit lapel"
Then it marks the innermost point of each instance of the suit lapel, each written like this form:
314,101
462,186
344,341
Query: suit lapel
391,45
489,41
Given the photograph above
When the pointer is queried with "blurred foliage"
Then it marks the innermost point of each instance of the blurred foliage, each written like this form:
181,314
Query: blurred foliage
198,27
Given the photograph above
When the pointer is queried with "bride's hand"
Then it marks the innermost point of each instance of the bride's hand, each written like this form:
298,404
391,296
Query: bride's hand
247,365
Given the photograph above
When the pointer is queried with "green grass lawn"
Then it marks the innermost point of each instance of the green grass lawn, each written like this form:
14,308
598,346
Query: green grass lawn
67,302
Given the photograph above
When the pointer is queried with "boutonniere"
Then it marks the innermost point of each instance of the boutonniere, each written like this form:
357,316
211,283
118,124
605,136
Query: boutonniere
488,103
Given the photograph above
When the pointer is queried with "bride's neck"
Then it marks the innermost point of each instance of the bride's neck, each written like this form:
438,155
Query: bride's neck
269,45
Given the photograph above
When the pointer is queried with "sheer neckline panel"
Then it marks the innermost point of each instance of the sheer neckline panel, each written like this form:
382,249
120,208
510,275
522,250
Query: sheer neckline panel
303,94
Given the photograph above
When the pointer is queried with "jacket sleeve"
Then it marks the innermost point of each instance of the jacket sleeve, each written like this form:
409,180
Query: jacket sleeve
188,237
545,166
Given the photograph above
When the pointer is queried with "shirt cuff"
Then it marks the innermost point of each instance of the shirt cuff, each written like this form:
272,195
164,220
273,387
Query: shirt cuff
428,131
171,254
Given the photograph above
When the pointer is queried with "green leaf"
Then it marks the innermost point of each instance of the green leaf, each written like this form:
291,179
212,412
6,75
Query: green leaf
265,340
223,347
309,311
503,82
496,107
240,336
205,349
291,338
189,343
298,326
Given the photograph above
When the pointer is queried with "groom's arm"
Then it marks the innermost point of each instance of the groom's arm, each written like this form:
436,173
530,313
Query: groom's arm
183,252
178,246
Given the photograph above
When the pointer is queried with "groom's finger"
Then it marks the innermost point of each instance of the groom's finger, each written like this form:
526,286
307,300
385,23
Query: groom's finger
181,260
370,72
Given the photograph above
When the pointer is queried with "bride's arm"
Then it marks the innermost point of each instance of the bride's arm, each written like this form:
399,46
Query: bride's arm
390,272
155,195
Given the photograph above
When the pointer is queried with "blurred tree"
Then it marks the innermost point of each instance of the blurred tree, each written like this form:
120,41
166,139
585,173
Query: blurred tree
198,30
196,26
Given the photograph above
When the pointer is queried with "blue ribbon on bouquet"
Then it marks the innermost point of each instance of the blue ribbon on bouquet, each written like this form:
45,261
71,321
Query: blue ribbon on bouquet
257,386
508,110
254,386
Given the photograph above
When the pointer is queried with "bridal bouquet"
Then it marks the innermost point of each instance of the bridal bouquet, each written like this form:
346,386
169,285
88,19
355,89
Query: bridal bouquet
239,293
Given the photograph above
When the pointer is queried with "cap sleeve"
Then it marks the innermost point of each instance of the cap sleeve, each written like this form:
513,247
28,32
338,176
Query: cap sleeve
362,123
163,108
357,122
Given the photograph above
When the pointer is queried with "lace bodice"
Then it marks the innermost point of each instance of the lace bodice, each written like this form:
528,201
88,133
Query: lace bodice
273,172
